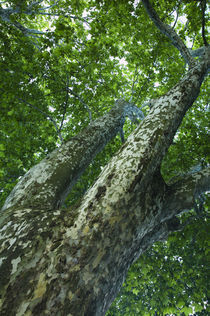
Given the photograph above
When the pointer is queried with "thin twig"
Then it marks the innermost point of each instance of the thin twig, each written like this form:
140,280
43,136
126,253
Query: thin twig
66,16
51,6
85,105
46,115
135,78
177,15
33,4
146,81
65,103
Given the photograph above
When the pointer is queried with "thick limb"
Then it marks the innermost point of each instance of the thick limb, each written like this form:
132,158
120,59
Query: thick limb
169,32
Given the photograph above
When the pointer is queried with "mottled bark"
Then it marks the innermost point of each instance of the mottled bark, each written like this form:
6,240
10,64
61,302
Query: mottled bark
47,184
73,262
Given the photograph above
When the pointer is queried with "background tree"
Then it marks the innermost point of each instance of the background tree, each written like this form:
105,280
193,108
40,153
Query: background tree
63,65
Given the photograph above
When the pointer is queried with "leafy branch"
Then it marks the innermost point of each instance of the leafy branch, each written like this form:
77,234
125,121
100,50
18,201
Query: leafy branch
65,104
49,117
5,15
170,33
203,9
185,191
135,79
81,100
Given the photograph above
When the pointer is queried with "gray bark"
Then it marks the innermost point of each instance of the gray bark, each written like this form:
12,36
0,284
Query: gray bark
47,184
73,262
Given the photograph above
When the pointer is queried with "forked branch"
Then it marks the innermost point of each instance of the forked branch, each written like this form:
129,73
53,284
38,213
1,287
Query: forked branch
169,32
49,117
183,193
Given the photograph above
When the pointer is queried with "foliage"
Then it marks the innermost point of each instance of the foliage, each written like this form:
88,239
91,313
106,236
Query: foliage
71,58
171,277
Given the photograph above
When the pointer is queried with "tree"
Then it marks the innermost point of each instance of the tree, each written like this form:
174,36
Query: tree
73,260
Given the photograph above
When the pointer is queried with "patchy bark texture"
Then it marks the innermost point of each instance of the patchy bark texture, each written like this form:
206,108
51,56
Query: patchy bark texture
73,262
47,184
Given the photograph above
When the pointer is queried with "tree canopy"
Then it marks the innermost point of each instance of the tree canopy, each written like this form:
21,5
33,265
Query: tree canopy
64,64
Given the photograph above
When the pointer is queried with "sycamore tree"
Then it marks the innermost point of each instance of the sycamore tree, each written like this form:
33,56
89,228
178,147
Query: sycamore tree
104,154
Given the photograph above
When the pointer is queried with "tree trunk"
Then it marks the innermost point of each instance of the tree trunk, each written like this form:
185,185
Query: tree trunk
73,262
47,184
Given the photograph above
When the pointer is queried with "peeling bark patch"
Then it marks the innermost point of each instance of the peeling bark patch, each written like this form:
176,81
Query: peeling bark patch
15,264
84,271
41,287
101,192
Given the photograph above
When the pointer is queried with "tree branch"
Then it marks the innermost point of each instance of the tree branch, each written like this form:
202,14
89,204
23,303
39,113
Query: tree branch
135,79
5,16
51,6
182,194
46,115
169,32
66,16
6,13
133,113
147,80
65,103
81,100
203,9
33,4
197,52
26,30
49,182
177,15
